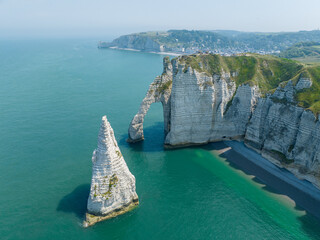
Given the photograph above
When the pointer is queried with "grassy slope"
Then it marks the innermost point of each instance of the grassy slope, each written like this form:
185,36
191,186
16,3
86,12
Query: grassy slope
263,70
307,52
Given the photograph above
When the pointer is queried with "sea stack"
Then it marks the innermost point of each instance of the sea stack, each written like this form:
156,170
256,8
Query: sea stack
113,187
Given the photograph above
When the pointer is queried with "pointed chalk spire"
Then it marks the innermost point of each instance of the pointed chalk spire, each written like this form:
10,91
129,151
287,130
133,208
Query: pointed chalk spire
105,134
113,190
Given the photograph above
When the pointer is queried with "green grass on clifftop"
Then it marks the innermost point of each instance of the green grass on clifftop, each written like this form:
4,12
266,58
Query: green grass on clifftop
310,97
263,70
266,71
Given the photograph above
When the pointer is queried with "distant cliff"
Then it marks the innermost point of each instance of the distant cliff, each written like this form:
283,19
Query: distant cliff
223,42
178,41
271,104
134,41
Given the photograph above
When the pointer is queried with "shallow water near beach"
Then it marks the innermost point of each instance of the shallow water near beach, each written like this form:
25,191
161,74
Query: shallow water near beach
53,94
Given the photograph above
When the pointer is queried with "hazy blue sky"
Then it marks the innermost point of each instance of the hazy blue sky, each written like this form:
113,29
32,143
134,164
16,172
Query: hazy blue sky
104,17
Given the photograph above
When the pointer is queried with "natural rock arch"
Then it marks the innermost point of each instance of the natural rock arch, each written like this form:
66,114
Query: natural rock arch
159,91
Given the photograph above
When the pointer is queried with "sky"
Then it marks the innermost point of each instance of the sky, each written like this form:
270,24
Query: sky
90,18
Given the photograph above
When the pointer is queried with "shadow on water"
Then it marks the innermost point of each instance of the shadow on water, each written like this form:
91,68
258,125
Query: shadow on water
217,146
76,201
274,184
153,139
242,164
310,225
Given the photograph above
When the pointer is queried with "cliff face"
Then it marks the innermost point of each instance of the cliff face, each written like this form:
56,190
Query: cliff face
207,104
113,190
286,134
200,111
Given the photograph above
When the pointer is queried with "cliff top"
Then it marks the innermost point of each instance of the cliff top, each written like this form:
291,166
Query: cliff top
268,72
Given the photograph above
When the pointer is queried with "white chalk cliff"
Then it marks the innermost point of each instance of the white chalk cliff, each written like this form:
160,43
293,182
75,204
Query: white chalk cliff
201,108
113,189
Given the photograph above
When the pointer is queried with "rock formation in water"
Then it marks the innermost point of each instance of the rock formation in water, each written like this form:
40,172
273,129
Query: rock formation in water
113,189
271,104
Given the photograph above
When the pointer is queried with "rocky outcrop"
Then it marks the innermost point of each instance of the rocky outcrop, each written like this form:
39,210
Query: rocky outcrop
113,190
201,108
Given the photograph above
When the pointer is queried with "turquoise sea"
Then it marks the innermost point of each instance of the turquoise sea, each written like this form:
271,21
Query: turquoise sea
53,94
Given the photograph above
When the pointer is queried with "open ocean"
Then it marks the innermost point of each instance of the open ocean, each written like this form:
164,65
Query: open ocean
53,94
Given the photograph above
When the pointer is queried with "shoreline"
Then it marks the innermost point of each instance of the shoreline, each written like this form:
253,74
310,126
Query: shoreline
136,50
302,192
